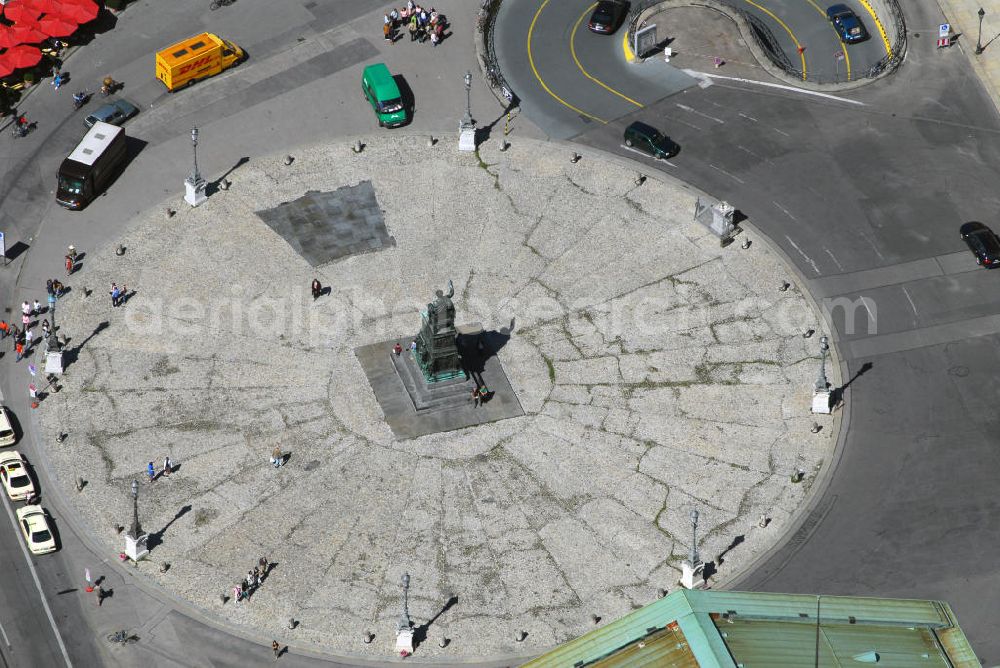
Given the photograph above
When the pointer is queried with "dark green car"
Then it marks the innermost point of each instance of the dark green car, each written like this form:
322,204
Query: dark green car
649,140
383,95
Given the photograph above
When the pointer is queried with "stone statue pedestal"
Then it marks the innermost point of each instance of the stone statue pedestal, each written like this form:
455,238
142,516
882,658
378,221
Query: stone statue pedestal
135,546
53,361
691,575
404,642
821,402
194,192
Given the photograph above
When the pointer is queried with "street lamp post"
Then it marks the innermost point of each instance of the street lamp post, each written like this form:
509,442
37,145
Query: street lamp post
135,540
468,121
194,185
694,536
821,390
821,383
467,127
404,627
692,567
135,529
979,40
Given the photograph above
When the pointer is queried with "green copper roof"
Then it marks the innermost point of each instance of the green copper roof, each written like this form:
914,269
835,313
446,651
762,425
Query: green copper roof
760,630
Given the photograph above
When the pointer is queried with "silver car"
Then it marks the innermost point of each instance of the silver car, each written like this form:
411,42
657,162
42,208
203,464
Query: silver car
115,112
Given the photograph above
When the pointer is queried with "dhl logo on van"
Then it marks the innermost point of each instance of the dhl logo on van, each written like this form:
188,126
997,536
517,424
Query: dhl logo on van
196,64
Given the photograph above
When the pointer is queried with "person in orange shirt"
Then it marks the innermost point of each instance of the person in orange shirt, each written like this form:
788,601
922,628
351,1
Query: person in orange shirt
4,329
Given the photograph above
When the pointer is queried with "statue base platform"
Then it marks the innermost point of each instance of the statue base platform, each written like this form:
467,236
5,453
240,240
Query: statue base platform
194,192
821,402
404,642
413,407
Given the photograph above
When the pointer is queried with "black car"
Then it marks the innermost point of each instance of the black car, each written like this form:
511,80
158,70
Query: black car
649,140
983,243
607,16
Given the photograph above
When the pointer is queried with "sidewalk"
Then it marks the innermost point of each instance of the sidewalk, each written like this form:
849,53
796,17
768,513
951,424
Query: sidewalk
964,19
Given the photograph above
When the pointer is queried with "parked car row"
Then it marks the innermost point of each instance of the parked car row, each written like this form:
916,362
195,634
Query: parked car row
19,485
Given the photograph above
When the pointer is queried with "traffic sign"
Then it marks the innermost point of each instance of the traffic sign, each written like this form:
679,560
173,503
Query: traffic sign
944,30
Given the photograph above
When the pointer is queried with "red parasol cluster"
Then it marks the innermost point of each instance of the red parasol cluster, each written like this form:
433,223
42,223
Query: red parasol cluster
27,23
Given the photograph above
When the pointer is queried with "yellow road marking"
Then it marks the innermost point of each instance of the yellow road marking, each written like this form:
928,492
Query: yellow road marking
843,47
531,62
802,53
572,50
881,28
629,56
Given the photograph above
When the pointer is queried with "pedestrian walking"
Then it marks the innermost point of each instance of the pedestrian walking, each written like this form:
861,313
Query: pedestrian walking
237,593
99,591
277,458
387,30
26,320
28,336
86,574
19,349
122,294
71,253
276,648
58,286
45,330
36,307
25,308
256,576
475,397
151,471
4,329
32,391
48,287
262,563
434,38
69,265
115,294
317,289
167,465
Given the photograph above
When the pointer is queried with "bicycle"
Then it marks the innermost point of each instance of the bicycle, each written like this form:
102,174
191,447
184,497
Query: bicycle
215,4
122,637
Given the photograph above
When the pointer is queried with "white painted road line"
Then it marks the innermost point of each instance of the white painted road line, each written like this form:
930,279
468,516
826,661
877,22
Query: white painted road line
749,118
839,266
734,178
804,256
648,156
768,84
695,111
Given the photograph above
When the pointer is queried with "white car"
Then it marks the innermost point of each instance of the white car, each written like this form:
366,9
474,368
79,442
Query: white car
6,431
14,476
34,525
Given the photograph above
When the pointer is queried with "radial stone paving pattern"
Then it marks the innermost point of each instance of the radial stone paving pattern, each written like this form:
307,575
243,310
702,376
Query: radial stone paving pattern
657,373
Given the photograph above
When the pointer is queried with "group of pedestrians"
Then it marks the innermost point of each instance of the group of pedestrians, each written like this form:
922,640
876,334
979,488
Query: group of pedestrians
24,336
168,468
249,585
422,24
118,294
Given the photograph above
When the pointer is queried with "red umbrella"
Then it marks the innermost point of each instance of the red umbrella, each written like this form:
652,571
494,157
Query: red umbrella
17,11
43,6
27,33
80,11
56,26
21,56
8,38
5,69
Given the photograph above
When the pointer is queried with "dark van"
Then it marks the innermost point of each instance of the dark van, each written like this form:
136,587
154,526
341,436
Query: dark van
90,167
649,140
383,95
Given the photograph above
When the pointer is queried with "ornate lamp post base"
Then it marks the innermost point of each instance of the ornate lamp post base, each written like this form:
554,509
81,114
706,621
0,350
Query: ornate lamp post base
404,642
821,402
135,546
194,192
467,138
690,575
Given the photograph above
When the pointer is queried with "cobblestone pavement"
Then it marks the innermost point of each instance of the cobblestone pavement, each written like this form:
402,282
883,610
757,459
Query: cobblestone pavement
657,371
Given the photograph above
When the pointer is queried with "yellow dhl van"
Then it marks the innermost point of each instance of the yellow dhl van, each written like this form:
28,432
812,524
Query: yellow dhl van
195,58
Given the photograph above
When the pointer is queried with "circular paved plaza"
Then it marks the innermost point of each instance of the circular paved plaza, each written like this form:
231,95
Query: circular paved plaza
657,373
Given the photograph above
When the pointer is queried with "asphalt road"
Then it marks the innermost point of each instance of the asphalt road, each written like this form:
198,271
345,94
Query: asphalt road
300,85
866,200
